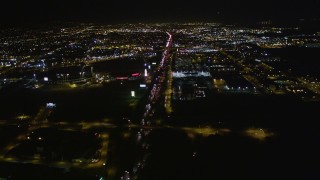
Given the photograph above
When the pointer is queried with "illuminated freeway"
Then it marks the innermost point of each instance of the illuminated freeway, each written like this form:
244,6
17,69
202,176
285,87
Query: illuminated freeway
160,79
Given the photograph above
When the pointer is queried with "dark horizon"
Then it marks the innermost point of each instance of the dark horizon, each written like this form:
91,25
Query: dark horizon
17,12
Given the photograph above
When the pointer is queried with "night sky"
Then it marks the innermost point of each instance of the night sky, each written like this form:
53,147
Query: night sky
113,11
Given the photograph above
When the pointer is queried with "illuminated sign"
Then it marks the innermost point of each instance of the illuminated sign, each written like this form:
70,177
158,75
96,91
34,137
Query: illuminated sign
145,73
122,78
51,105
135,74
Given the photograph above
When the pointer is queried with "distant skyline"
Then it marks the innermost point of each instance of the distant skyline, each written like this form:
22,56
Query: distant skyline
115,11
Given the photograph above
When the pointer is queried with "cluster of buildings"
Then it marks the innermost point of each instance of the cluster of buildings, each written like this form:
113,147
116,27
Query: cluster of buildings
205,56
